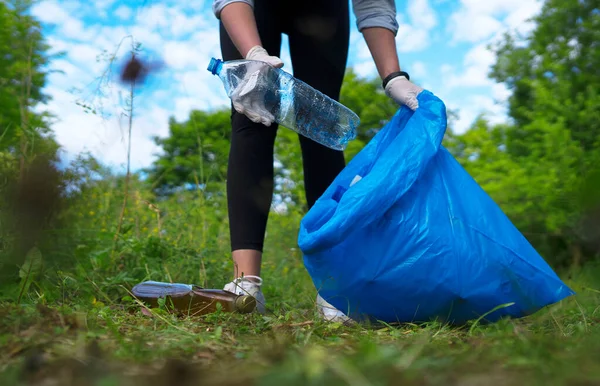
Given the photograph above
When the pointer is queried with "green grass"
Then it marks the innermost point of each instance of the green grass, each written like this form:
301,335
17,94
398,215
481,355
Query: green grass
77,324
115,344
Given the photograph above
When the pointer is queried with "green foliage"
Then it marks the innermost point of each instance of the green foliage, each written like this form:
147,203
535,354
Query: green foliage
70,283
31,267
108,339
366,98
195,153
289,174
535,167
26,140
540,193
22,77
554,75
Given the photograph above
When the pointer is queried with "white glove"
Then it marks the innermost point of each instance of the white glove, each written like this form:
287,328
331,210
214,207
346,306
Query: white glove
248,97
259,53
403,92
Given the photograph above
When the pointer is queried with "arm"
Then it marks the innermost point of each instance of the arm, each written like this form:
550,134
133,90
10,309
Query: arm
376,20
382,45
238,19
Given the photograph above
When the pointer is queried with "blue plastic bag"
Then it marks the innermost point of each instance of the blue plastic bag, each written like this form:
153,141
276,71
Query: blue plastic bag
416,238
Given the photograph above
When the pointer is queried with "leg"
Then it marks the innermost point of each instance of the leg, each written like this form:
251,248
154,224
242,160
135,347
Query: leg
319,39
250,168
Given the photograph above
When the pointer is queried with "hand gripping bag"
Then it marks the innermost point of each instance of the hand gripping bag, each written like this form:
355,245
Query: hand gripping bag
416,238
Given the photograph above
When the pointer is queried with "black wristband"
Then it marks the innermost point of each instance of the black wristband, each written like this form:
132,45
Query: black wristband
394,75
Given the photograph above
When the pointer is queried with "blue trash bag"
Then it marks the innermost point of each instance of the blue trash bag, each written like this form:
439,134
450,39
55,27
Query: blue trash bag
416,238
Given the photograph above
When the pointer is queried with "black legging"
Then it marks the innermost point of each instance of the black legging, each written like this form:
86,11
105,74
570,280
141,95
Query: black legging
318,32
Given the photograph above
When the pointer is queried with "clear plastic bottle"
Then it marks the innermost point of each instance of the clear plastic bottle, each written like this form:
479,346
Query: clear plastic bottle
188,299
293,103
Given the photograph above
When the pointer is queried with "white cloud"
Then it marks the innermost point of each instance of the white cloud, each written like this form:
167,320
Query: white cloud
421,14
483,23
185,83
174,21
358,47
500,92
107,139
365,69
183,24
475,105
70,26
49,12
520,18
477,20
475,67
471,27
155,15
180,55
198,89
74,29
479,23
82,54
123,12
149,123
411,38
414,29
414,34
103,4
477,64
67,74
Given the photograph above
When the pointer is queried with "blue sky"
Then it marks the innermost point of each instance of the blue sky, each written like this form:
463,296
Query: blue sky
441,43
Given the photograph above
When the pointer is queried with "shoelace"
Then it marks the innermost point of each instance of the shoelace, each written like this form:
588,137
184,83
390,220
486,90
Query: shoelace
245,279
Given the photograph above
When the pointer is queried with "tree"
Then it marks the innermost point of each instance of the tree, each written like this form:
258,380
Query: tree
365,97
538,195
31,186
555,74
195,153
536,167
23,58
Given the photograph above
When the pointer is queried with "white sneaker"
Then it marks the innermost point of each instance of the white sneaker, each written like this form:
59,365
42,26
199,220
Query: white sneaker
245,286
330,313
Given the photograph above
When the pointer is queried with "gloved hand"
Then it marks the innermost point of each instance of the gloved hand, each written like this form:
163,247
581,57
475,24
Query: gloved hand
259,53
248,97
403,92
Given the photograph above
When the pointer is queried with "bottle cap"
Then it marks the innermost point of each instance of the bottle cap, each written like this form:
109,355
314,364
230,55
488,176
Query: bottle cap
214,65
245,304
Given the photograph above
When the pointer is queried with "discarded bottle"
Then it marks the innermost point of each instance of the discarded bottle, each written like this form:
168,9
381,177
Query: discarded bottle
192,300
293,103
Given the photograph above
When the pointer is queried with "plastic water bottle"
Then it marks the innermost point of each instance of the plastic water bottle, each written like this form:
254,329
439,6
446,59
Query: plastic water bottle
293,103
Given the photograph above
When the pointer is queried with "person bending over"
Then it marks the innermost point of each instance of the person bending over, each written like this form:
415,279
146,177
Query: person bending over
318,33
